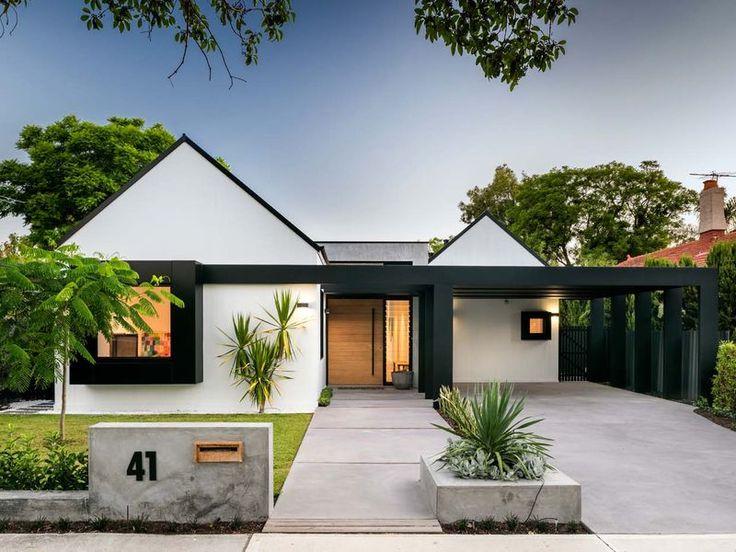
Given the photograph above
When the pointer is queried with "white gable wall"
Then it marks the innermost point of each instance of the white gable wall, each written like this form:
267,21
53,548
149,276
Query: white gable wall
485,243
186,209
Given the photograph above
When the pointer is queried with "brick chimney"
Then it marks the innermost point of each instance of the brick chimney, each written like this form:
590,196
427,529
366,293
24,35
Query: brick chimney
712,213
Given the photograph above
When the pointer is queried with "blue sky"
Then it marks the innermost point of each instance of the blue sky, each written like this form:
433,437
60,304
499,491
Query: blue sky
356,128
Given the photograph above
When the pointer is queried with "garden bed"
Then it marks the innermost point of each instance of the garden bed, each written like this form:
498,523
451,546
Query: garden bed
723,421
136,525
514,527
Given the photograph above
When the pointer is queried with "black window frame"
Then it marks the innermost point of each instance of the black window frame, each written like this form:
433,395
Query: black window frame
546,334
185,365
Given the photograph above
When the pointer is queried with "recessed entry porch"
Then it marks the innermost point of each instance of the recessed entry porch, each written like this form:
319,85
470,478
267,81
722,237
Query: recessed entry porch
368,338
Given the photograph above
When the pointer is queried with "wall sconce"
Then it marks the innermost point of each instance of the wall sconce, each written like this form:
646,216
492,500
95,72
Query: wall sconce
536,325
302,305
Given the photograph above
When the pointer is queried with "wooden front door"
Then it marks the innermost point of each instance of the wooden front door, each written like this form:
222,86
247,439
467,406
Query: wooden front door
355,341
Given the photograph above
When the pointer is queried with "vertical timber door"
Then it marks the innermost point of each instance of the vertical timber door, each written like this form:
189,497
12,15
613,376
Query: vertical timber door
355,341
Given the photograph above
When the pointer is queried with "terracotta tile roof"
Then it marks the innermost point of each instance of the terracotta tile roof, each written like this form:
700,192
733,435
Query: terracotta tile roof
696,249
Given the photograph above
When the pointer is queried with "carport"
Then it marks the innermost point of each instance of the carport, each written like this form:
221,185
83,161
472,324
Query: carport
436,286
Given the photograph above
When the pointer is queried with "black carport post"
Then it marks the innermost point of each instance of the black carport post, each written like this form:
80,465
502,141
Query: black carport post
617,369
643,342
597,342
672,337
707,335
441,338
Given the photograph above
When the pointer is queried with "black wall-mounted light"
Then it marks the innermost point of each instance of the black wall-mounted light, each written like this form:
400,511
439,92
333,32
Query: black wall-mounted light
536,325
302,305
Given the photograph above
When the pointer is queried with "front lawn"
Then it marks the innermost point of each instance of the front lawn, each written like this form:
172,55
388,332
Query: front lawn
288,430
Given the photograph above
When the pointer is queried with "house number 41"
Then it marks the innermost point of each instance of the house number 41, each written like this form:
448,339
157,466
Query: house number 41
136,465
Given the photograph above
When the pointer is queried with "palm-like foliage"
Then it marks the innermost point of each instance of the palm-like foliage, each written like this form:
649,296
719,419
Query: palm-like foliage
256,356
282,321
491,429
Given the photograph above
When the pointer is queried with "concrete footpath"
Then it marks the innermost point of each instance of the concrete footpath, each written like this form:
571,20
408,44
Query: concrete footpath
102,542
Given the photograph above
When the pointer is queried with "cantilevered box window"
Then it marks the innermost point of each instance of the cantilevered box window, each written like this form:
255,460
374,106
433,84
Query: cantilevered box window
125,344
536,325
170,354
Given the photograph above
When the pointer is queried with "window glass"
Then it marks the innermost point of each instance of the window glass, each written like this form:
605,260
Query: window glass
536,326
125,344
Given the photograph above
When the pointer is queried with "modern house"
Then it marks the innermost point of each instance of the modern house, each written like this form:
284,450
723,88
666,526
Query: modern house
482,308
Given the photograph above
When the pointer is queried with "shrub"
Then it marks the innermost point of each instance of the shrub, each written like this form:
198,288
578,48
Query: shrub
724,382
54,467
491,441
325,397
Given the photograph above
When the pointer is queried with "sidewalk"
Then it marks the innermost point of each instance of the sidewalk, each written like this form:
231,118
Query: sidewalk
101,542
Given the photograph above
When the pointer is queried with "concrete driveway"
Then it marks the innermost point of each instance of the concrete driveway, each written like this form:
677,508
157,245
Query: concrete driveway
646,465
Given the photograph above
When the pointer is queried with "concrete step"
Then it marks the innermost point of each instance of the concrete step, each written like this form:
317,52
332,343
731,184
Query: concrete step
275,525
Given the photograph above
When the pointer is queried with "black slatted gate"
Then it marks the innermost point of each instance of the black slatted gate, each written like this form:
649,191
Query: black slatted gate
573,361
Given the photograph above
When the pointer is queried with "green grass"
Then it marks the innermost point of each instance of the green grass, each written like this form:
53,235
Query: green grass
288,430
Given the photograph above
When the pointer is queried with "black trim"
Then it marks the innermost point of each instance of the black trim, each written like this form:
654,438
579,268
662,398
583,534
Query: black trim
185,365
184,139
501,225
545,316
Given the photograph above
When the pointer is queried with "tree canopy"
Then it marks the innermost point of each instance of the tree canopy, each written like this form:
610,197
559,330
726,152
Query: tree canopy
506,38
579,215
73,167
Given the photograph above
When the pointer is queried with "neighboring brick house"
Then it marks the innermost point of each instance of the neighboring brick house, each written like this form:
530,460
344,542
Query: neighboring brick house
712,229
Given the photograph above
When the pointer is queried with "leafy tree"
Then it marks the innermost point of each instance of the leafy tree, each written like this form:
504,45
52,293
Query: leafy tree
723,257
604,212
690,308
435,244
506,38
497,198
51,302
73,167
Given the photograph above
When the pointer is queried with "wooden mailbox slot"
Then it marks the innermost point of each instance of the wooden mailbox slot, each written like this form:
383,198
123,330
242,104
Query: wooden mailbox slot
218,451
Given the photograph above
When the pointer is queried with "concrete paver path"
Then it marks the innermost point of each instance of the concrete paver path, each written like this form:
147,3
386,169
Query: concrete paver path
358,465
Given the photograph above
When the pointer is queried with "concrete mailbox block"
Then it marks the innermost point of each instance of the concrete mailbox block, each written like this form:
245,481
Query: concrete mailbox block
453,499
182,472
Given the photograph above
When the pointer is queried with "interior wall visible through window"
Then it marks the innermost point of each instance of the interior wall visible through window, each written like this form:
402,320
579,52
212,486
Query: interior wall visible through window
125,344
398,344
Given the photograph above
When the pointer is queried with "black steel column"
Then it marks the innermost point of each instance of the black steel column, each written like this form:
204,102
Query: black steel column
597,342
441,335
643,342
421,320
617,369
707,335
672,337
426,348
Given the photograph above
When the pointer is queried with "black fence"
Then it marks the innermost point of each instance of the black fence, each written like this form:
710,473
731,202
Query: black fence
574,359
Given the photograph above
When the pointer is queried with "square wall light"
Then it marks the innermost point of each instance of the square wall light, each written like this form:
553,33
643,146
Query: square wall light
536,325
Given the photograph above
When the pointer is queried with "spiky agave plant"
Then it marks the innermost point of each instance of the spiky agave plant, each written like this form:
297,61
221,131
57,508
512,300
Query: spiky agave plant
493,438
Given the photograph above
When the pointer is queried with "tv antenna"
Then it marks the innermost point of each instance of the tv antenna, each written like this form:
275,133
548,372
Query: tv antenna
715,175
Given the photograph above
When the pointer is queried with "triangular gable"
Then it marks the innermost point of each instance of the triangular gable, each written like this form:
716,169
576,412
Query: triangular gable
486,242
186,205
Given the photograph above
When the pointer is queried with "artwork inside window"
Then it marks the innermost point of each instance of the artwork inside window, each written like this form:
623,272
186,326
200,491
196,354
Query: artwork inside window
125,344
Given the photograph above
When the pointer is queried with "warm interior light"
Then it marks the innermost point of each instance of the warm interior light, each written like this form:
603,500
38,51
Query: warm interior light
536,325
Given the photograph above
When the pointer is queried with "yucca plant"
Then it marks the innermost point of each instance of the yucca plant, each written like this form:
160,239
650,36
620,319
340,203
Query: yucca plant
282,321
260,372
492,438
256,355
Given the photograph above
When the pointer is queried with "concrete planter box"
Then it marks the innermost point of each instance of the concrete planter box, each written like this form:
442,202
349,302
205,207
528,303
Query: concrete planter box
453,499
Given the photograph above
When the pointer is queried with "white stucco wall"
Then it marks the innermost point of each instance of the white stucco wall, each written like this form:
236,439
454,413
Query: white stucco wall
217,394
485,244
488,346
186,209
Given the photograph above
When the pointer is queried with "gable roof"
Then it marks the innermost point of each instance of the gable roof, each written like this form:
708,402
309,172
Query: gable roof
498,223
184,139
697,250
